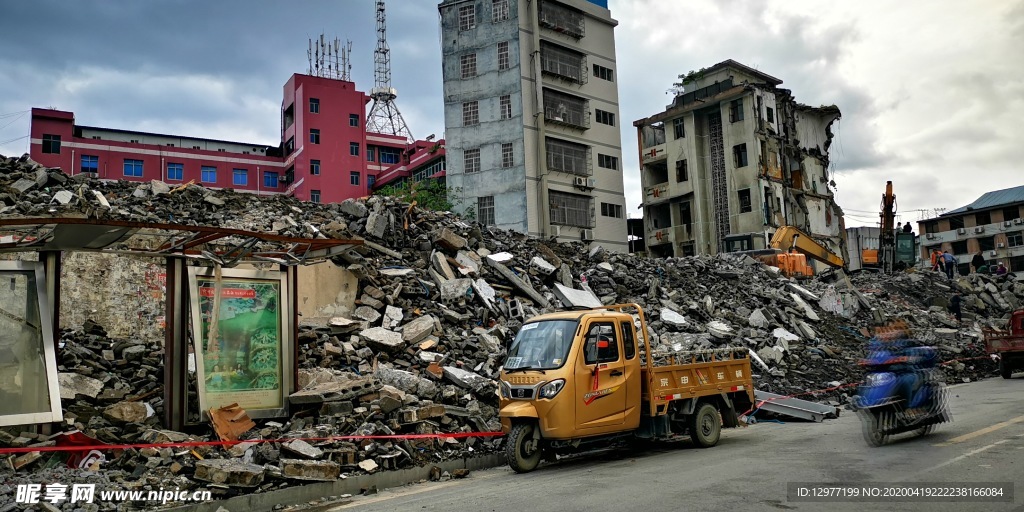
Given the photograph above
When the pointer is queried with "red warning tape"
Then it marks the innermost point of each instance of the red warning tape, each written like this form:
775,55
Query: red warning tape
192,444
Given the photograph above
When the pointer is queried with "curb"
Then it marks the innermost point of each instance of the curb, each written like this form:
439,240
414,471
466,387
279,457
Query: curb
265,502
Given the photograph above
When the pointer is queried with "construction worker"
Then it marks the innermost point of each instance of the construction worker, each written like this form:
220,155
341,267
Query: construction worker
949,262
937,260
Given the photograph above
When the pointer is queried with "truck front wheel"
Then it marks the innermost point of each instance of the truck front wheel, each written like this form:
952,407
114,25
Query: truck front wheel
1005,369
522,450
705,426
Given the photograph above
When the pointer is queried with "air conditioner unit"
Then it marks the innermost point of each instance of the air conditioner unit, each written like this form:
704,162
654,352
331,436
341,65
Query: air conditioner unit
993,253
979,229
1018,221
929,236
580,181
587,234
1007,224
556,230
591,182
1000,246
961,231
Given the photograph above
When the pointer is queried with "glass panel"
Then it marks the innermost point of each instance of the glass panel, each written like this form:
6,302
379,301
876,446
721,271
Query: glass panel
23,379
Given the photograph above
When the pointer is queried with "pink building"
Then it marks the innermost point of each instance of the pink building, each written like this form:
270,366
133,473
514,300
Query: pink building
325,153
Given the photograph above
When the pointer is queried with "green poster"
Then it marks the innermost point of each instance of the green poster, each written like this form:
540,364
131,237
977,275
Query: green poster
241,358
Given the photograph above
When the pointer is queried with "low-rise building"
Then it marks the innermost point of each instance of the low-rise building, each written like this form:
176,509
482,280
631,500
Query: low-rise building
733,158
325,153
992,225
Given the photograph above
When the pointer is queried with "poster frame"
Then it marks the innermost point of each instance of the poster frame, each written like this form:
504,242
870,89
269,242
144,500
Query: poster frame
55,414
286,359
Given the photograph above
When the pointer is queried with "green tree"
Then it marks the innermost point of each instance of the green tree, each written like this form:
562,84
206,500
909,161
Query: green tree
429,194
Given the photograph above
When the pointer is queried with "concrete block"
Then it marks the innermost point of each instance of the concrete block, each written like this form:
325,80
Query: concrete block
448,240
159,188
311,470
229,472
376,225
353,208
542,266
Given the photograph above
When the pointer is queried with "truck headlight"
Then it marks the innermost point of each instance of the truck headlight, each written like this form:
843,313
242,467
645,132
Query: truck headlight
551,389
506,390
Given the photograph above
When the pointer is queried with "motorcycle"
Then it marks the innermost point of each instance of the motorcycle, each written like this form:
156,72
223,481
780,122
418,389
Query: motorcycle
901,392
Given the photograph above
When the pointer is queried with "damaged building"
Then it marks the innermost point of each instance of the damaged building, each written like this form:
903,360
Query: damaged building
733,158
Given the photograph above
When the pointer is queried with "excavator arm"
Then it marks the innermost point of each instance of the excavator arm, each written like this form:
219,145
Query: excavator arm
792,238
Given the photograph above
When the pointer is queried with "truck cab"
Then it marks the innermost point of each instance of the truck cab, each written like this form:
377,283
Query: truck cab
577,373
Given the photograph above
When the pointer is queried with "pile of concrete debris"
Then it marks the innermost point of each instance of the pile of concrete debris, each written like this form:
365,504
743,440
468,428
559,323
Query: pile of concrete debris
440,301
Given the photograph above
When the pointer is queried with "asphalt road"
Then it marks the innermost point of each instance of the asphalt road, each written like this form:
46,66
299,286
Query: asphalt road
750,468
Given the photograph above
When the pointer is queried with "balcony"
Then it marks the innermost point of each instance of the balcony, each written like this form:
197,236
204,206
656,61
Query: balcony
656,194
561,19
566,110
563,64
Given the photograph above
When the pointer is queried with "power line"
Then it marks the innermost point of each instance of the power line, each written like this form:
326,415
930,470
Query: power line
12,140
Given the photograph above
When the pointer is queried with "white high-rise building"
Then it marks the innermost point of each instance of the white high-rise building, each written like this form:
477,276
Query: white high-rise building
532,117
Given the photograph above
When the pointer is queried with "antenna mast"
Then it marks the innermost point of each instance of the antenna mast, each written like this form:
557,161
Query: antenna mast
384,116
328,59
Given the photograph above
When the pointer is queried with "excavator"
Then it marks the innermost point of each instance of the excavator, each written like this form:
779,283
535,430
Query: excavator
789,249
895,249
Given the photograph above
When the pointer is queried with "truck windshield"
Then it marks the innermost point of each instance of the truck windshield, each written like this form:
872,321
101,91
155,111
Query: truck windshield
541,345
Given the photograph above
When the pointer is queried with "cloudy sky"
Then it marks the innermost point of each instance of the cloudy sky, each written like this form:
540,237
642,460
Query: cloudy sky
931,90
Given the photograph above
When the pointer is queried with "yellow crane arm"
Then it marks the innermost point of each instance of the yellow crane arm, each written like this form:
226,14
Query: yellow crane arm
790,237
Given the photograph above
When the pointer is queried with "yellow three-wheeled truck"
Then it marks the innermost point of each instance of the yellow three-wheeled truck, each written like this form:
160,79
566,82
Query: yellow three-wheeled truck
579,377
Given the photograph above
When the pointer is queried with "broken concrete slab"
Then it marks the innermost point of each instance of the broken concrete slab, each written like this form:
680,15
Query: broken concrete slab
392,317
229,472
303,449
376,225
672,318
353,208
455,289
520,284
469,260
450,241
541,265
418,329
63,197
466,379
573,298
383,339
72,384
367,313
440,264
757,319
127,412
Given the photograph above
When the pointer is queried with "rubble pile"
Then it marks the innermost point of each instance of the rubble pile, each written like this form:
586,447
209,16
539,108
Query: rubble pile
440,299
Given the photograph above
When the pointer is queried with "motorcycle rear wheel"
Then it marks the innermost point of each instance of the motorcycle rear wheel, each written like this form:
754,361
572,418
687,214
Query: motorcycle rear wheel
874,428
